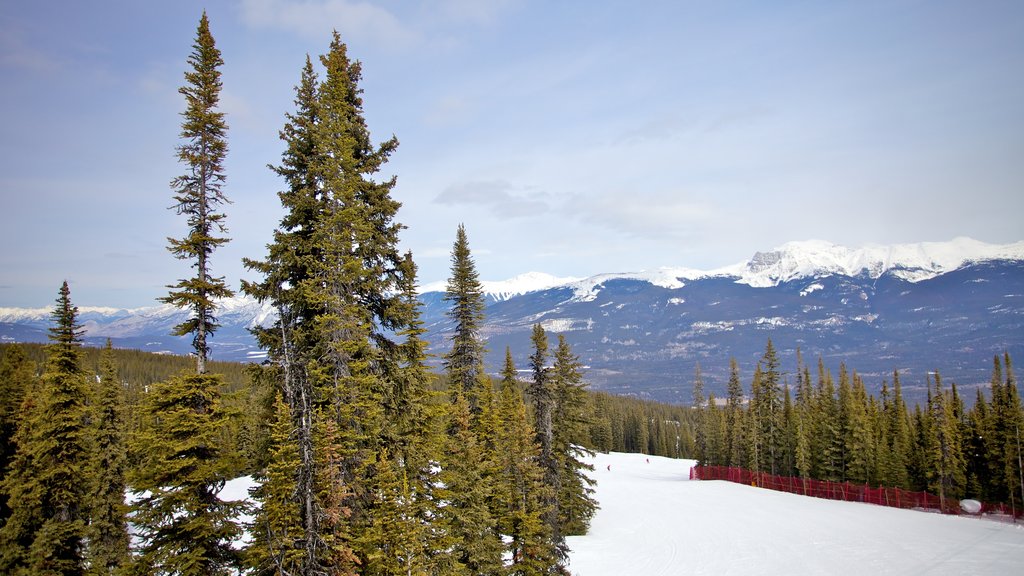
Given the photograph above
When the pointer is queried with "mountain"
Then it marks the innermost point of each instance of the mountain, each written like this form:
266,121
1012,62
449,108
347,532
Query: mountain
915,308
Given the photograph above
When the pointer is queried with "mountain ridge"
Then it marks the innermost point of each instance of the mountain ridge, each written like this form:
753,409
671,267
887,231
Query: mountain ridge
913,308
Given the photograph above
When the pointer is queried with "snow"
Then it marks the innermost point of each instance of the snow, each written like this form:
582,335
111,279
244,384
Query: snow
656,522
505,289
912,262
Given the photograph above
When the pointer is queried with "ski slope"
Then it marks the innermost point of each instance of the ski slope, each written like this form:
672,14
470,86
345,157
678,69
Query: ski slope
653,521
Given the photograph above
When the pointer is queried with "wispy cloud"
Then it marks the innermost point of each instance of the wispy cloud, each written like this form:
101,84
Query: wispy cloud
501,197
314,19
641,215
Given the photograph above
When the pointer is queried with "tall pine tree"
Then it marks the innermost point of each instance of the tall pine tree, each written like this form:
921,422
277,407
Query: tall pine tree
47,483
199,194
108,530
465,361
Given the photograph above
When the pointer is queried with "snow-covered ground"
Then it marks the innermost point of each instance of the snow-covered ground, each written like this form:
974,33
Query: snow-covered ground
653,521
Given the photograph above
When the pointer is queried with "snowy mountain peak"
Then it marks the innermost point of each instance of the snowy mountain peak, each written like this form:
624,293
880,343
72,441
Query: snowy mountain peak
505,289
912,262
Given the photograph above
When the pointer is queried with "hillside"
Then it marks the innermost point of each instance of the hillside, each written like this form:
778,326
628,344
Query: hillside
654,521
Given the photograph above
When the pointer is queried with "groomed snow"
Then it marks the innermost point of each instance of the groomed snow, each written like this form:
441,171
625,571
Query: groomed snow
653,521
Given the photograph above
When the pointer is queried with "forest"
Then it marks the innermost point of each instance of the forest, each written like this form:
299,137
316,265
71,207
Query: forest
835,430
366,461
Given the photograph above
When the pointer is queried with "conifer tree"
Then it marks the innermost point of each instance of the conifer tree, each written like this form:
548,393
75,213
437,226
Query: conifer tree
17,377
945,460
476,546
543,392
199,194
108,530
184,526
276,529
700,439
340,286
47,484
520,490
735,417
860,435
576,505
465,361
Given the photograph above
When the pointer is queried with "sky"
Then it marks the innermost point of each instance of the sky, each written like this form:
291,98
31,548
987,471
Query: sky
572,137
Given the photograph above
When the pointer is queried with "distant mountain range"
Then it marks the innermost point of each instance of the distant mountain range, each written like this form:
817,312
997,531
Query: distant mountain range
946,306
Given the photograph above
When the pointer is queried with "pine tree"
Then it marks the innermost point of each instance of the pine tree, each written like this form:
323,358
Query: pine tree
766,401
47,484
276,529
519,488
184,526
944,458
735,417
108,530
338,282
700,433
476,546
465,361
576,505
17,377
860,435
199,194
543,392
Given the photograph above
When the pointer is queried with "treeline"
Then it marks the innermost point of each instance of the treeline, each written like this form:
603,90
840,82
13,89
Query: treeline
833,429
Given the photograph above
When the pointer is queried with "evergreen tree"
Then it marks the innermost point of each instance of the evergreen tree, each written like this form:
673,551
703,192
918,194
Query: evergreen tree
476,546
47,483
735,417
198,193
108,530
465,361
576,505
276,528
520,489
945,460
184,526
700,438
17,377
544,395
339,284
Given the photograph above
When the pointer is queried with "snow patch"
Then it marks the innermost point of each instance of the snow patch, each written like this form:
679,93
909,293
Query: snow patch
812,289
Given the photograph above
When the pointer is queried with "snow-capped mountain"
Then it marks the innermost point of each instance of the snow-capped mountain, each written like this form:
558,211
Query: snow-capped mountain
505,289
916,308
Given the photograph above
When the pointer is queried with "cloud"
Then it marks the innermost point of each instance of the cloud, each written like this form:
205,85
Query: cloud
314,19
499,196
640,215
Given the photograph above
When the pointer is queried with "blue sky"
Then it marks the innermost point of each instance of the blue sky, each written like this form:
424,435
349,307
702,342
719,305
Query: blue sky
570,137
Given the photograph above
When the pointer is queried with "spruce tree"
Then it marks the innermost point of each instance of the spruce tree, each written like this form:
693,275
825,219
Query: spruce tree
576,505
701,426
199,194
47,483
465,361
734,417
341,289
108,530
276,529
466,516
544,395
17,377
183,525
519,488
